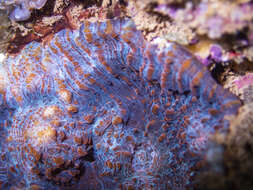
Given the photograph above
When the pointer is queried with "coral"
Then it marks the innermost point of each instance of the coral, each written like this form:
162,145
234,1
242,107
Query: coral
100,108
238,83
21,8
248,94
224,23
205,19
219,33
235,168
154,25
246,80
207,51
55,17
5,33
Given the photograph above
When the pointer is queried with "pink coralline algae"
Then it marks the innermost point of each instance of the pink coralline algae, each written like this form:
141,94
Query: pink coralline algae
21,9
101,108
243,81
212,18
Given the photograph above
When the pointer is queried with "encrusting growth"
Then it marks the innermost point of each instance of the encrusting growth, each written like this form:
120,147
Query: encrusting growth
99,107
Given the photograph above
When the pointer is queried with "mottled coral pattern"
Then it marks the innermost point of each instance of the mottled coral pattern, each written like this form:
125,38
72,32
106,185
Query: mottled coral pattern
101,108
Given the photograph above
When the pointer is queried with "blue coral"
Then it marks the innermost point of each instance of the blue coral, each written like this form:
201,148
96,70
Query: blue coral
101,108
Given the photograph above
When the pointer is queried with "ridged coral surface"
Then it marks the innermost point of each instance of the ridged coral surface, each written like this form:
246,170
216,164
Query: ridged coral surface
101,108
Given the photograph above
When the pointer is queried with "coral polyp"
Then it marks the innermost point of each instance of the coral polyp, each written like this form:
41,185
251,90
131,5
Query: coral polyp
101,108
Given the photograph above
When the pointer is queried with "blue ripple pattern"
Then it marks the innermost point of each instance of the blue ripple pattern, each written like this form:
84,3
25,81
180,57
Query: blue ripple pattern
101,108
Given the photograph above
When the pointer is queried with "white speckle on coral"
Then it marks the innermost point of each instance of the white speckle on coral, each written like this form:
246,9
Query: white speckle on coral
3,74
161,43
2,57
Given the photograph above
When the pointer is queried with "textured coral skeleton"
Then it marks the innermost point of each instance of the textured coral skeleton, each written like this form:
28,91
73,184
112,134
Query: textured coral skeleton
99,107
